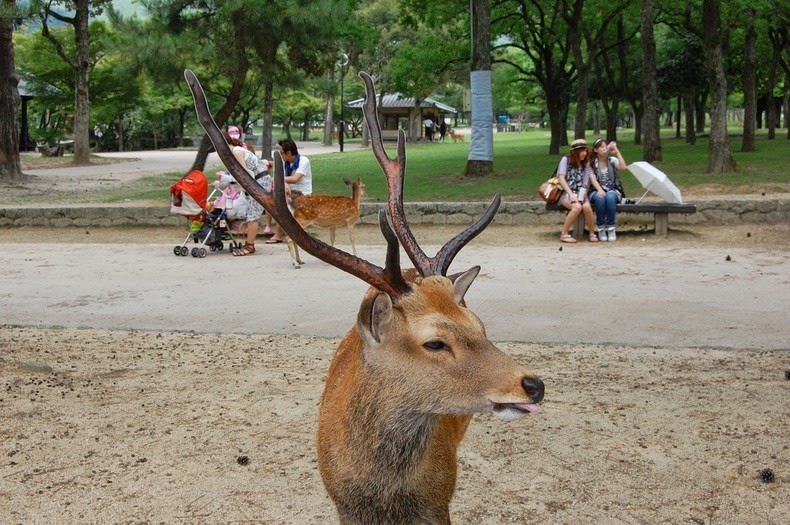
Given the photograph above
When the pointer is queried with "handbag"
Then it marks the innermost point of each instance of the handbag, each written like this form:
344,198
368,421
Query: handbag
551,191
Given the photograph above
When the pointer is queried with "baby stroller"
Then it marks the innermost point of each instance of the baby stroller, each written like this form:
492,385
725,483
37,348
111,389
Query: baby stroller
208,224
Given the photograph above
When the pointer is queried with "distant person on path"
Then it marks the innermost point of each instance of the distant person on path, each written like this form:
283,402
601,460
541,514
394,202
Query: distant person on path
606,180
574,174
442,130
298,177
428,123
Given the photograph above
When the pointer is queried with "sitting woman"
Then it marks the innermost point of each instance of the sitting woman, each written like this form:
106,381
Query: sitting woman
574,174
606,182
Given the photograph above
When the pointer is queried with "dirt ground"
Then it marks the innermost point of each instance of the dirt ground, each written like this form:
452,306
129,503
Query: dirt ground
105,426
213,427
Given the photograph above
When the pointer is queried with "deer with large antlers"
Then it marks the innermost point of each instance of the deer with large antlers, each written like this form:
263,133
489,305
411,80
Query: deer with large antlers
407,378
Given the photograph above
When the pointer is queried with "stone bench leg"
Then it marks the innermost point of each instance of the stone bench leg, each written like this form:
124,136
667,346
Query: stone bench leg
662,223
578,227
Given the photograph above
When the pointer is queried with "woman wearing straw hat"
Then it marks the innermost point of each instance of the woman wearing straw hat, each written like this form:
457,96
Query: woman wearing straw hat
574,173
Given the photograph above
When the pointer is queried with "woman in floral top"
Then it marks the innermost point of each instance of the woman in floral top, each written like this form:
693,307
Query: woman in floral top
574,174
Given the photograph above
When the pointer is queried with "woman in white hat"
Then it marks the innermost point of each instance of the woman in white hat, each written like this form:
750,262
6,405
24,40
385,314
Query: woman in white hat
574,173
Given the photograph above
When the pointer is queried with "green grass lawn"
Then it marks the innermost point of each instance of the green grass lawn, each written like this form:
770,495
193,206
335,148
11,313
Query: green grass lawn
434,172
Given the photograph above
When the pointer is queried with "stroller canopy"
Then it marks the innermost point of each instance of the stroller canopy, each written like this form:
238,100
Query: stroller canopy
189,195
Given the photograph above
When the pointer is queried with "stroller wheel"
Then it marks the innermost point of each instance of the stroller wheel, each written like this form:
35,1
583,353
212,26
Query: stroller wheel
184,251
194,252
202,253
177,250
213,248
220,246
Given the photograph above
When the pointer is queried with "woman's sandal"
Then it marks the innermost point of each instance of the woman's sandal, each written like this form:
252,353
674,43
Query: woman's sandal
568,238
247,249
593,237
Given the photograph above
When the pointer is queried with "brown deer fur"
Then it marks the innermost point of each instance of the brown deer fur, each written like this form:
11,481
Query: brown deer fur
394,412
328,211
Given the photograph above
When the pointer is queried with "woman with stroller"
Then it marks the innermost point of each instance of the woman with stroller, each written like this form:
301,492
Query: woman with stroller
259,169
606,182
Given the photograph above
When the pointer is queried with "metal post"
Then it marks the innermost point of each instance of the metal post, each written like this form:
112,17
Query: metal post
341,127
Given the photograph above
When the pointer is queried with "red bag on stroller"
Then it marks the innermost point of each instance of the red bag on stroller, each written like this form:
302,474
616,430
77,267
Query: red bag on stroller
189,195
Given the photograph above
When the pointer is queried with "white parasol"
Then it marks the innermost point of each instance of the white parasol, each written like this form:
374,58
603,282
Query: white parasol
656,181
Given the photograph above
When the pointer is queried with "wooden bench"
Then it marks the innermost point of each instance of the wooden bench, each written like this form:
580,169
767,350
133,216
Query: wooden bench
660,211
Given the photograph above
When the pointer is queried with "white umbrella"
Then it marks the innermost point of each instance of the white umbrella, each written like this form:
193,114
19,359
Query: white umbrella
656,181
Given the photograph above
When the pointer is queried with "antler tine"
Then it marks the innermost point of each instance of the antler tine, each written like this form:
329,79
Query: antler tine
276,205
395,171
392,264
448,252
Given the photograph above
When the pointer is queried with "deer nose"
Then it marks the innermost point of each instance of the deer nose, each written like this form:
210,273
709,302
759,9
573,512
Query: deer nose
534,388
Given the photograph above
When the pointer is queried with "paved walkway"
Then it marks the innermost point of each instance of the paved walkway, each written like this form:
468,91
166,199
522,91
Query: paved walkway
649,295
163,161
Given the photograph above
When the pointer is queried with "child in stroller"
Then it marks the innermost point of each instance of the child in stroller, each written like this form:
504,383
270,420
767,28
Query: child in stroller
211,217
230,206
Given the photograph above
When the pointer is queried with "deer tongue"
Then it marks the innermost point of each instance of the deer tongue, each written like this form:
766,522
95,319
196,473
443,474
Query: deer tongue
528,407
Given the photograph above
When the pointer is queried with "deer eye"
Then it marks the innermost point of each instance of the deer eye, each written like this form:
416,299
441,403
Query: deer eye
435,346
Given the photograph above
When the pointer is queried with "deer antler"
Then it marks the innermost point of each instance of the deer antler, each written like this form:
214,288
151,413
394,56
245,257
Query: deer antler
388,279
395,170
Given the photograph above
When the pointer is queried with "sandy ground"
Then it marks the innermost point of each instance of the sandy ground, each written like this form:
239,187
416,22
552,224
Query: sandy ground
141,387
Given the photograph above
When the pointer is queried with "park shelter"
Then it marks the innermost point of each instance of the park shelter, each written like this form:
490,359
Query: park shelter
25,143
400,112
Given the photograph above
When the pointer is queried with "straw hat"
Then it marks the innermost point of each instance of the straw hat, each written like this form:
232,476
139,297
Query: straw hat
578,144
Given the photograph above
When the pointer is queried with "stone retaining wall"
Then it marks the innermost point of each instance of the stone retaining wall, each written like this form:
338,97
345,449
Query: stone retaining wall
712,211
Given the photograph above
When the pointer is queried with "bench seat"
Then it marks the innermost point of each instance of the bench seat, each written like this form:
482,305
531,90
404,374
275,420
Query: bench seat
660,211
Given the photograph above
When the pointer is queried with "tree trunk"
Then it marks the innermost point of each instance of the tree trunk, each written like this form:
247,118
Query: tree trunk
181,117
651,130
770,112
699,107
596,118
688,102
638,118
582,69
268,104
82,153
10,163
580,119
221,116
787,103
677,117
720,159
611,120
481,161
329,110
749,83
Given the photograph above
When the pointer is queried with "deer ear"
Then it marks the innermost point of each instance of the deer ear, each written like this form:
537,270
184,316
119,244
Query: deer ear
462,282
374,314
